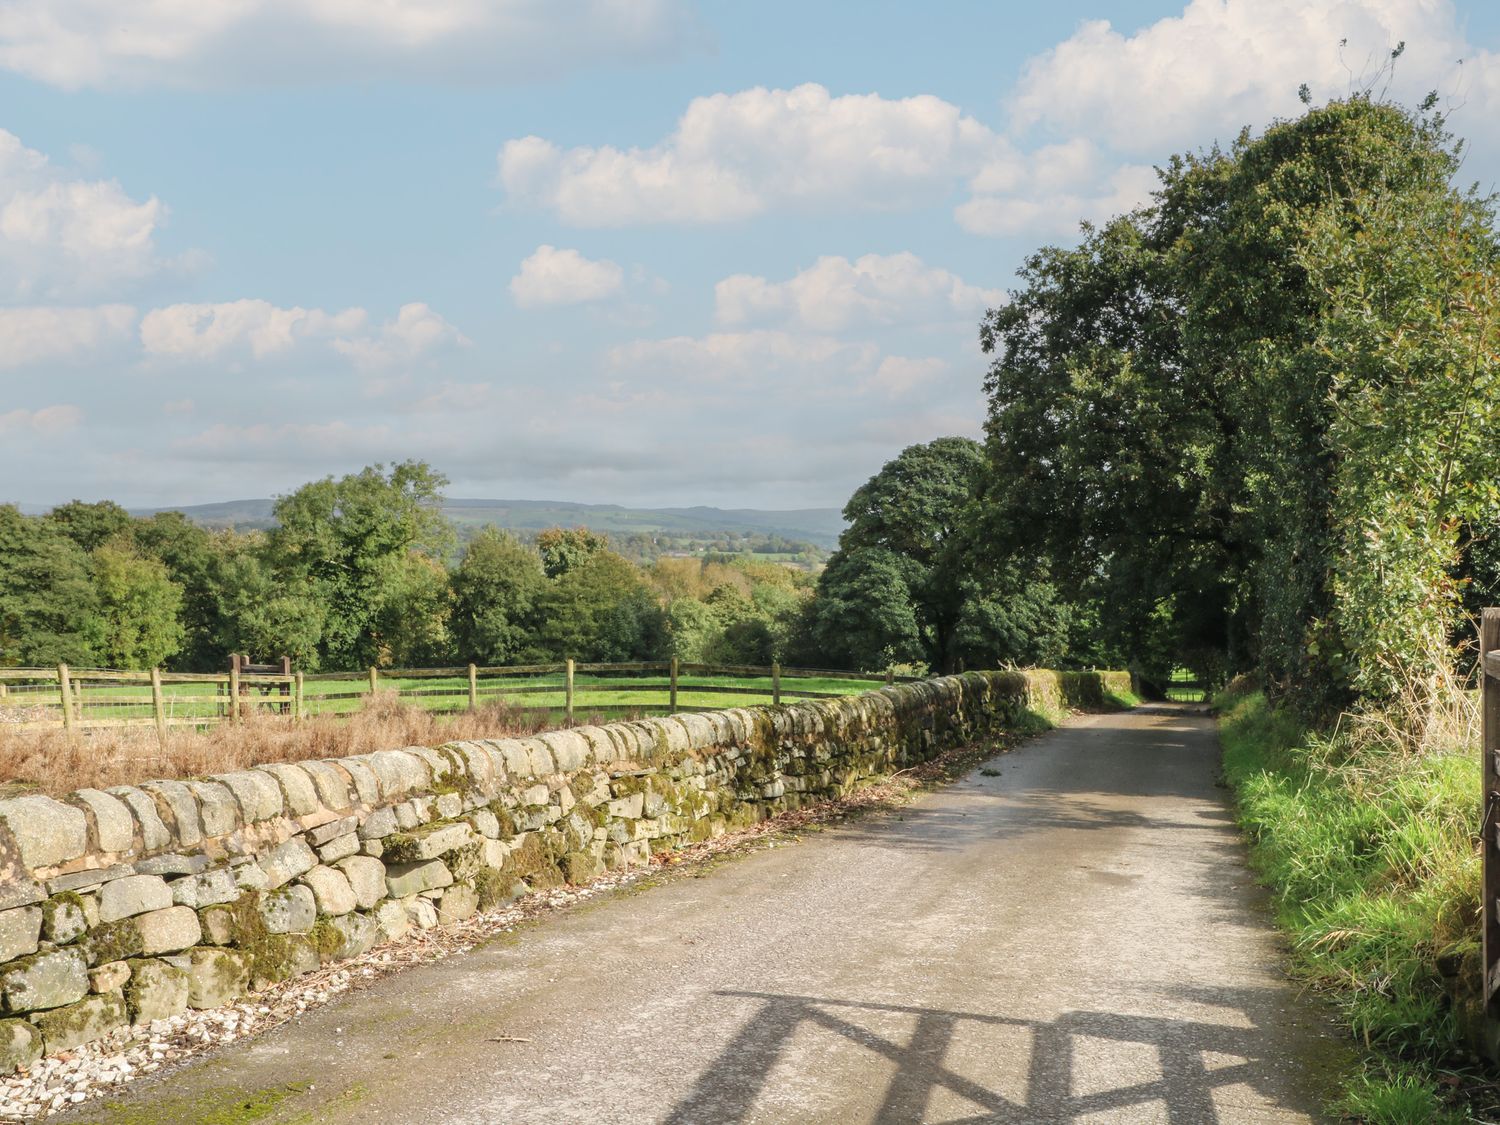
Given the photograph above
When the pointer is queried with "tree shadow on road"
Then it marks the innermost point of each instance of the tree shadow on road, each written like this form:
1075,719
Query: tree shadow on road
1164,1069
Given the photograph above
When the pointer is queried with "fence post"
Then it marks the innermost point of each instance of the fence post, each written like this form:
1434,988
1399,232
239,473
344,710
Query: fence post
159,709
568,694
890,675
234,690
374,679
297,697
473,688
673,691
1489,642
66,689
776,683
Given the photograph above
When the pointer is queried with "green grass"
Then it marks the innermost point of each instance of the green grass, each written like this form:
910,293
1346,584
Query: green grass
1369,853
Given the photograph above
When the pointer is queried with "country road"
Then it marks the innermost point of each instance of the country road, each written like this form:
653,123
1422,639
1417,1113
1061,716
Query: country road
1074,938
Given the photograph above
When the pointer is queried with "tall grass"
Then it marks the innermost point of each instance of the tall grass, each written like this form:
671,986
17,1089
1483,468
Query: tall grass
55,761
1369,846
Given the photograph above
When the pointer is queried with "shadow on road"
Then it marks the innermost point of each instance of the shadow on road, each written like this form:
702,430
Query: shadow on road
1081,1063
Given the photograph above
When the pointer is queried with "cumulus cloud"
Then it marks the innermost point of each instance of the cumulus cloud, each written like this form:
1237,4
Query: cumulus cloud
736,155
1051,191
760,354
900,375
214,43
1223,64
43,334
259,329
60,235
564,277
835,293
46,422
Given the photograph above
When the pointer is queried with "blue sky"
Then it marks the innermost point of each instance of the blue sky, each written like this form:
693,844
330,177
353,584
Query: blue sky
633,251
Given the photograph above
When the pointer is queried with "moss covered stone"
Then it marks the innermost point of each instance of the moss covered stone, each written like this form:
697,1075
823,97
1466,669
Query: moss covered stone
90,1018
217,977
20,1045
155,990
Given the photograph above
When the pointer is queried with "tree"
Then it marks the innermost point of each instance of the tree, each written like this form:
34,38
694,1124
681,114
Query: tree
90,525
564,548
138,608
49,607
495,594
192,559
600,610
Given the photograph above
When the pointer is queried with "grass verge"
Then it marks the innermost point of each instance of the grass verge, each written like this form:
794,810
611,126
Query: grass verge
1371,857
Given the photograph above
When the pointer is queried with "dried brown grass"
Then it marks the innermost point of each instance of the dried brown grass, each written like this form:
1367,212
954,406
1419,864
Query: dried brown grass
56,761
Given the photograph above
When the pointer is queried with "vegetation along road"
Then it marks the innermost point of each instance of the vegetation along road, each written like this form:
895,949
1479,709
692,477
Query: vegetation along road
1069,932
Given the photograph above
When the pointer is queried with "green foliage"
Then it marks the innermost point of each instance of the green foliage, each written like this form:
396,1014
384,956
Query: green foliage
562,549
138,609
599,609
495,592
49,607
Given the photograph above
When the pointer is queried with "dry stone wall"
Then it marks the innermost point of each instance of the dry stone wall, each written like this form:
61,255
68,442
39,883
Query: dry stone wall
132,904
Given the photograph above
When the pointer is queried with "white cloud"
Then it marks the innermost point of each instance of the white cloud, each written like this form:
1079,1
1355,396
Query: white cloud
835,293
564,277
214,43
1050,192
41,334
899,375
60,235
265,442
47,421
1224,64
736,155
759,355
260,329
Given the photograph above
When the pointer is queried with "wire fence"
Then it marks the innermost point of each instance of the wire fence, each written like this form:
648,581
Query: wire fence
85,698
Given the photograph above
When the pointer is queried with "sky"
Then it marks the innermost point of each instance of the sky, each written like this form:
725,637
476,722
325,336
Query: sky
647,252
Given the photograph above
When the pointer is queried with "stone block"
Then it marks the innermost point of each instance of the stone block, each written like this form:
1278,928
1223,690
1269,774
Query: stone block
218,885
399,773
493,853
63,920
180,808
407,815
331,784
428,842
326,833
298,794
109,977
290,910
485,823
169,930
337,848
459,902
217,977
357,934
48,980
629,807
218,811
113,827
579,867
47,832
404,879
88,879
449,805
249,876
392,918
133,895
330,890
286,861
381,822
281,957
20,1045
91,1018
422,913
366,877
173,863
570,751
20,931
148,823
155,990
257,794
220,926
362,777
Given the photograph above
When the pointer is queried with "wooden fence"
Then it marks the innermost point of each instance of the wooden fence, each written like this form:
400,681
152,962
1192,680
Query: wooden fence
1489,829
77,699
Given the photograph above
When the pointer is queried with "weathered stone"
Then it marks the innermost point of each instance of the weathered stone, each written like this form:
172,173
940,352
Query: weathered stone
20,1045
399,773
220,927
373,848
218,810
290,910
428,842
282,957
63,920
109,977
337,848
91,1018
173,863
87,880
326,833
285,862
90,909
258,795
47,832
381,822
113,828
299,795
148,823
579,867
48,980
181,809
459,902
406,815
330,890
217,977
167,931
570,751
629,807
331,783
422,913
449,805
133,895
493,853
411,878
392,918
542,764
20,930
156,990
249,876
536,795
362,777
485,823
366,879
357,933
218,885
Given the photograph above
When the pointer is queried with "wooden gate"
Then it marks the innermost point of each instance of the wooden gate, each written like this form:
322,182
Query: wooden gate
1489,827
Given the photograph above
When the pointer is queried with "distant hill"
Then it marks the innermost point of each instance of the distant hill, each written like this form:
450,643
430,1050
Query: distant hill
820,526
